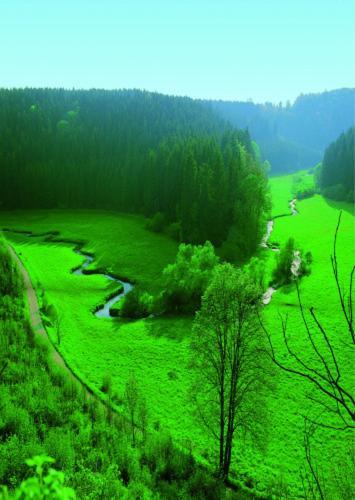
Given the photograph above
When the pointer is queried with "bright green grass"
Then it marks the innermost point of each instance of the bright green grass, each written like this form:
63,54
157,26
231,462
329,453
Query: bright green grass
281,192
157,349
120,243
313,229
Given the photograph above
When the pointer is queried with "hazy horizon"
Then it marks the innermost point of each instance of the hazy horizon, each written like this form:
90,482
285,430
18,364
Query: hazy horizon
251,100
267,51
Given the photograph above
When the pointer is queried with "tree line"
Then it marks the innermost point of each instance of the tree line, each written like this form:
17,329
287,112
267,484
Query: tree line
336,173
131,151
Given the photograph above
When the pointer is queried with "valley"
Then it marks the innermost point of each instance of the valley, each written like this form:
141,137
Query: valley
157,349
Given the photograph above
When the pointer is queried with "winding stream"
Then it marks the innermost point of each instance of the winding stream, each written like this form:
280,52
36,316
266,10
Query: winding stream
125,287
104,311
296,263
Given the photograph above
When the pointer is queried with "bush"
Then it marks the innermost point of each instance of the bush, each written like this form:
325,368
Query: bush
10,280
156,223
58,443
137,304
282,274
174,231
303,186
305,267
186,280
106,384
46,483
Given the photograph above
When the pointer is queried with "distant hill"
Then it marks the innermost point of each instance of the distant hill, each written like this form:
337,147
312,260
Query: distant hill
293,137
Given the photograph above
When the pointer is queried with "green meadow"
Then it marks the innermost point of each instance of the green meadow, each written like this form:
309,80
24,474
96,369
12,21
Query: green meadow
157,349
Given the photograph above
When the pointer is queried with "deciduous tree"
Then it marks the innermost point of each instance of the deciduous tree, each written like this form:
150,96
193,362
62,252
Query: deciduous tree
227,359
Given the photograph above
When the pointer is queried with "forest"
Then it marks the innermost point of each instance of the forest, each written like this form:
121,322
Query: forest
336,173
136,152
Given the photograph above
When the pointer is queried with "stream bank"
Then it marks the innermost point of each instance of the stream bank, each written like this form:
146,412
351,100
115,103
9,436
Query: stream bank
296,263
103,310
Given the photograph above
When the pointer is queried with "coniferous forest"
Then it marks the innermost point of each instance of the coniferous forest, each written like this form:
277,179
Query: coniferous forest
131,151
336,173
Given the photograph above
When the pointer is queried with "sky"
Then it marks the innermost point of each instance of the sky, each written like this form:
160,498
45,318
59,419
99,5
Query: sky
264,50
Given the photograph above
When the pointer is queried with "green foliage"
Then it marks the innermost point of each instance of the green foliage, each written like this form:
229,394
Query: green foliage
44,413
186,280
337,192
225,354
293,136
306,263
168,158
303,186
157,223
106,384
152,348
137,304
282,274
46,484
10,281
174,231
336,176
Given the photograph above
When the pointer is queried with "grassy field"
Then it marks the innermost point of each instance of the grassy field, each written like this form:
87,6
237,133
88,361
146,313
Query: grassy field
121,244
157,350
313,229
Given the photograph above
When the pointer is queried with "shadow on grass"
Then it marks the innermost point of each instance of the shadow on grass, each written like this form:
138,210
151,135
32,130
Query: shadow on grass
171,327
340,205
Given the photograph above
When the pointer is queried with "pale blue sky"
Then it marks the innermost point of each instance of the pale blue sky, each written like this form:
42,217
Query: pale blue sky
267,50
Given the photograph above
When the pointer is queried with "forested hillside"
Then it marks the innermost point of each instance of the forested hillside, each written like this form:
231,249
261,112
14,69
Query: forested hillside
131,151
293,137
336,175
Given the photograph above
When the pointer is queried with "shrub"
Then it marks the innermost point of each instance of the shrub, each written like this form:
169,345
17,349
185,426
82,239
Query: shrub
174,231
303,186
59,444
305,267
203,486
156,223
106,384
186,279
137,304
46,483
282,274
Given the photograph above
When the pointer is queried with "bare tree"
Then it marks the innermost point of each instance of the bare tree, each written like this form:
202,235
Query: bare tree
56,320
143,416
131,399
226,352
57,323
312,480
334,395
136,407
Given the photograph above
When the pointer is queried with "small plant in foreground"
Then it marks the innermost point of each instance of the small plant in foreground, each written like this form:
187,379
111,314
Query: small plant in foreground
47,483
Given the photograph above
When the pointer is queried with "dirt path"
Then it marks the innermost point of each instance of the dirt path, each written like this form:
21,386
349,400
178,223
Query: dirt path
36,321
